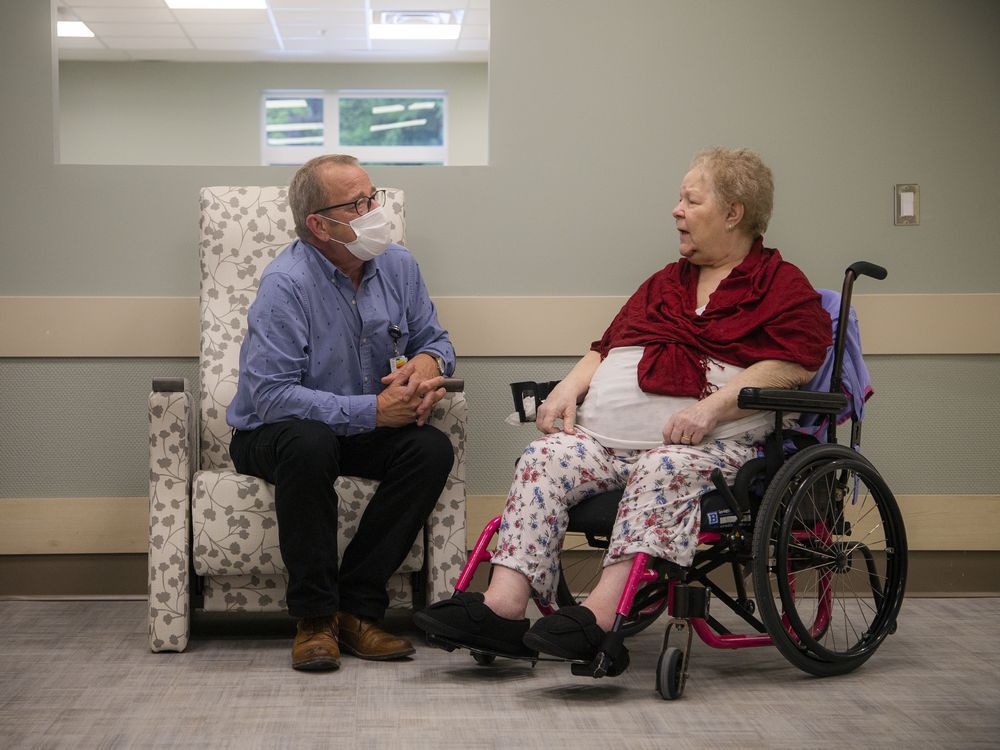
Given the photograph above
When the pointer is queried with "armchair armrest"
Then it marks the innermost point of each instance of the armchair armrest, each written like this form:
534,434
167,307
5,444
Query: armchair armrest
782,399
445,547
172,458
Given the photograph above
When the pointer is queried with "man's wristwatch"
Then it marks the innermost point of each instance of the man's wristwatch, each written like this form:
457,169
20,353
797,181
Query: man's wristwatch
439,359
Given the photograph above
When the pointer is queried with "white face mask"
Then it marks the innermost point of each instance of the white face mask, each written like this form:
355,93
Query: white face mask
373,234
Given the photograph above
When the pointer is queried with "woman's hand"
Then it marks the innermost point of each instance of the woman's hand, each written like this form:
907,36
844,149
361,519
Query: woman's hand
561,401
690,425
560,404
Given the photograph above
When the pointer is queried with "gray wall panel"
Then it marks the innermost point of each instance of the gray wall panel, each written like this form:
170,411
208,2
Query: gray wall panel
77,427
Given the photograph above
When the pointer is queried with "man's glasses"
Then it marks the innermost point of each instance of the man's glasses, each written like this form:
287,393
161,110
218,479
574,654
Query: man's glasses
361,205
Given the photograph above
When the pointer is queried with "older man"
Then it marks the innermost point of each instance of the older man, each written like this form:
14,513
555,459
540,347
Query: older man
343,360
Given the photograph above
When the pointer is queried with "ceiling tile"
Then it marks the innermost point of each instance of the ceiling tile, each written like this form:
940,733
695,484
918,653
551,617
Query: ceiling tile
226,30
474,45
125,15
328,30
281,5
233,44
476,18
417,48
327,45
136,29
143,42
296,31
113,3
76,42
318,18
221,16
418,4
475,32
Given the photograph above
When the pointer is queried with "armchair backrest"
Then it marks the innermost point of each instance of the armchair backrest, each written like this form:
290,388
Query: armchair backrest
242,230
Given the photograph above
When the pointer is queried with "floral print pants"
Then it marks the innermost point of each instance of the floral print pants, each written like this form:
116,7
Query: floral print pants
659,513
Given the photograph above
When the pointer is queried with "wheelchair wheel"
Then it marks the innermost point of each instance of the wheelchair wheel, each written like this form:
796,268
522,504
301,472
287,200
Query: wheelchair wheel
483,660
829,540
670,674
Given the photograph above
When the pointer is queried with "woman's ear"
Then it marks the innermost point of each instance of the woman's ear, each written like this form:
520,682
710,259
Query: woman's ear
735,214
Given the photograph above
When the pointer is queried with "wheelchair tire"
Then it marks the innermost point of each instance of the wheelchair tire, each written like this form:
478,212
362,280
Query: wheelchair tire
829,539
670,674
483,660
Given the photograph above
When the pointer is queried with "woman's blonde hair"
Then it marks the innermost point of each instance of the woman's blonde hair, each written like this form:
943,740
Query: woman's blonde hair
740,176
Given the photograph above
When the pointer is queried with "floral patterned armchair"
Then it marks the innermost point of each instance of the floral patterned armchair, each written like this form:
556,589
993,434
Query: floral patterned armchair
213,540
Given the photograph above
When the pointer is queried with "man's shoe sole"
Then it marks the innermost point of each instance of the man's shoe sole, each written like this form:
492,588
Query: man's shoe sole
319,664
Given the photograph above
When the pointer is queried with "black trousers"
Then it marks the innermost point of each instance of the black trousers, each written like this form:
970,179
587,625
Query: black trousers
302,459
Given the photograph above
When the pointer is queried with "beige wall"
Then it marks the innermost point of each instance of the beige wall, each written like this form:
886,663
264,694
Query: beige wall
158,113
594,113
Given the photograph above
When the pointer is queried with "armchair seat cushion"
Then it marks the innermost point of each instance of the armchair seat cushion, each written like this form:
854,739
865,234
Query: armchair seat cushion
236,528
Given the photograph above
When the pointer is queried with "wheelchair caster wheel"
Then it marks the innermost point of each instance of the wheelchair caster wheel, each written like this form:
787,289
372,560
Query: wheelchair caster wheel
483,660
670,674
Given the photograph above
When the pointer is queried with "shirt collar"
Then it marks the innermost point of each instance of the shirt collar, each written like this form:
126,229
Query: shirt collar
368,269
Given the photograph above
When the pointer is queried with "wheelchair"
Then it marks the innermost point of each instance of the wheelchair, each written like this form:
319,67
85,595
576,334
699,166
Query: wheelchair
810,524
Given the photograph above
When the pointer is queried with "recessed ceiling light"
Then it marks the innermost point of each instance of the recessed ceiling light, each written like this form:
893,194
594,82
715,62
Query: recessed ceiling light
73,29
416,24
217,4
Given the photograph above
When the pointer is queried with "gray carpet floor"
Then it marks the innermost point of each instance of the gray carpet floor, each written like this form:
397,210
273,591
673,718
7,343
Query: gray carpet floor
79,675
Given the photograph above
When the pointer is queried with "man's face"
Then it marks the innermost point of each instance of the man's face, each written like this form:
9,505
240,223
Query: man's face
345,184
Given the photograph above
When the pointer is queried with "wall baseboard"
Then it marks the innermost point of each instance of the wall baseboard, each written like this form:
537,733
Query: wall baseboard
123,577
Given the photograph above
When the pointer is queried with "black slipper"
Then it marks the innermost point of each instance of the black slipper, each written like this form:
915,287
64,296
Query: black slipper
465,620
570,633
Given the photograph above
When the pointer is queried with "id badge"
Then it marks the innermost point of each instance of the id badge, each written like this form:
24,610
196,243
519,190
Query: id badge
396,362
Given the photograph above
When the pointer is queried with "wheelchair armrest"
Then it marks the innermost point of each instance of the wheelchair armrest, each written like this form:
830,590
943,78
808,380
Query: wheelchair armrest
782,399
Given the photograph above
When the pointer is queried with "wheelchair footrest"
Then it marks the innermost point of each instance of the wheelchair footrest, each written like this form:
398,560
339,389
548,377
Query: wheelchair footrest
689,601
610,661
439,641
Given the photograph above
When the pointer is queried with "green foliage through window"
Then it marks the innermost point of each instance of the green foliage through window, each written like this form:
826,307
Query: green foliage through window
294,121
397,121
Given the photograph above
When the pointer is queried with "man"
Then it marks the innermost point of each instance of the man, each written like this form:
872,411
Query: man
343,361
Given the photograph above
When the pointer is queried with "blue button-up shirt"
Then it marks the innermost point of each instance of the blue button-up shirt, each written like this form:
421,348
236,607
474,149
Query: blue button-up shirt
317,349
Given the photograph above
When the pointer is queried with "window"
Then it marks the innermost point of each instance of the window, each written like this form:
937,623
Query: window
378,127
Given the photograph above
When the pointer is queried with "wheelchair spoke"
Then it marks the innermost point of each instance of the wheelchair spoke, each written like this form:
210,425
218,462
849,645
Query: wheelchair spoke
835,547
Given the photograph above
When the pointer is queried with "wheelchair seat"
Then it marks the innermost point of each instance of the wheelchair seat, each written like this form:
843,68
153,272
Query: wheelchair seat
595,516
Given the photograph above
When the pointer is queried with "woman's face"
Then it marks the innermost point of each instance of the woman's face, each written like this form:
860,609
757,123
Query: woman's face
701,220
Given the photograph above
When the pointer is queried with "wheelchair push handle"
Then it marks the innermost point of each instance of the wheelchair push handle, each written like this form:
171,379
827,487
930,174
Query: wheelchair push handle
864,268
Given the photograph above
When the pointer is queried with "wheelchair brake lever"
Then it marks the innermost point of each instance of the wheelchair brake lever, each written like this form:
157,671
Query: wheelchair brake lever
727,494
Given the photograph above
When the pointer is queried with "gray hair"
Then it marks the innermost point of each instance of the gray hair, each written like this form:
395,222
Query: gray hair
740,176
308,192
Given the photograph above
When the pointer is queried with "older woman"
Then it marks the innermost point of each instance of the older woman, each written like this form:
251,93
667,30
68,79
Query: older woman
659,414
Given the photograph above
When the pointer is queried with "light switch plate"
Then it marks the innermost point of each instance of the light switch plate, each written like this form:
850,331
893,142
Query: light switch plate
907,198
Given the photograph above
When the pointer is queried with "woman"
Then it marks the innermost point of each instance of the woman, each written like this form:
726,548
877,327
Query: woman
660,413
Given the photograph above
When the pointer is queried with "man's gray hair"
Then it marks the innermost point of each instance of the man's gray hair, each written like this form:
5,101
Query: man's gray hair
307,192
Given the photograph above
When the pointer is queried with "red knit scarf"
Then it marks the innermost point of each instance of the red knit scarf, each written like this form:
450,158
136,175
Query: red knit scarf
764,309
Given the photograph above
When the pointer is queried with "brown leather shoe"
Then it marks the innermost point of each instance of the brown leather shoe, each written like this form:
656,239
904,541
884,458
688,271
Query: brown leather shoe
315,647
363,637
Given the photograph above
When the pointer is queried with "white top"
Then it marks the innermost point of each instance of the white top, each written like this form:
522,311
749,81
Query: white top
619,414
